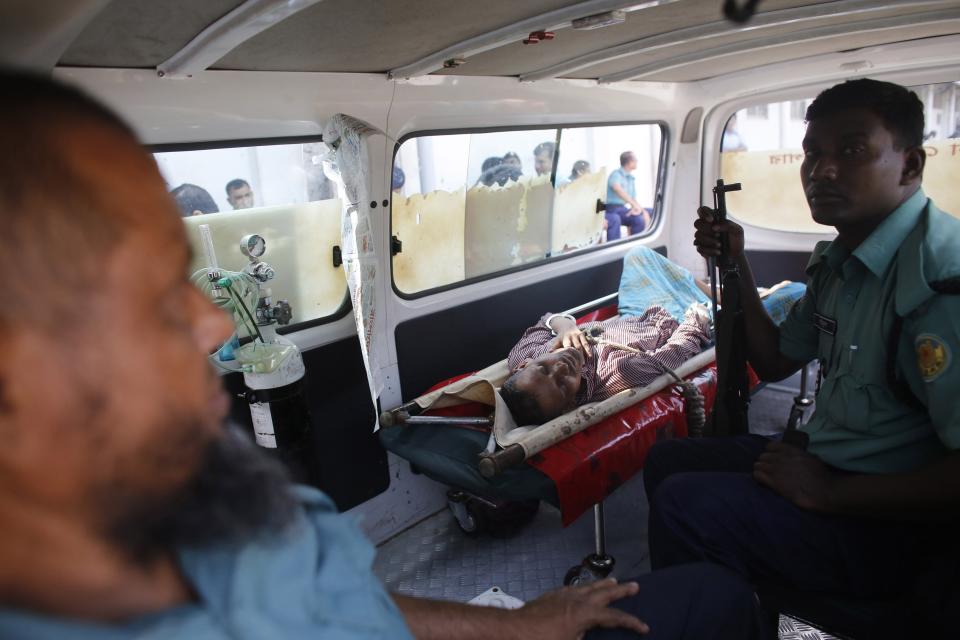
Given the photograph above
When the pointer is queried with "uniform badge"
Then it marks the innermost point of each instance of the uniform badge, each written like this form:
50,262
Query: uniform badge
933,356
825,324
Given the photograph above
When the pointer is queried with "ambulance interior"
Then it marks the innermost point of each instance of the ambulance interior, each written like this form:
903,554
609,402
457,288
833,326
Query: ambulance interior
463,150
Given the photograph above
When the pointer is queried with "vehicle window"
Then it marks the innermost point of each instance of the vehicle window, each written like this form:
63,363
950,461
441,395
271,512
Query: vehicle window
941,104
470,205
278,192
761,148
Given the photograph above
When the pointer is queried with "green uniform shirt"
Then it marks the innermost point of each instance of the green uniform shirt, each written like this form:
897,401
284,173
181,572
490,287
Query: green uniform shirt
846,320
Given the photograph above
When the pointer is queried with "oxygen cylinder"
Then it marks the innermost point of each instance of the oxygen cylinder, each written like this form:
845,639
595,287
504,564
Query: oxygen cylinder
278,407
272,366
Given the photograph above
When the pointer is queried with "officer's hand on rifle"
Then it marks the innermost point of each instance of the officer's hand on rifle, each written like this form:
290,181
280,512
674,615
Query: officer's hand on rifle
707,237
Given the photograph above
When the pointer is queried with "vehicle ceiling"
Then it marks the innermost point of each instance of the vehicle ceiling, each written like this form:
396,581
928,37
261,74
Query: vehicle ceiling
663,40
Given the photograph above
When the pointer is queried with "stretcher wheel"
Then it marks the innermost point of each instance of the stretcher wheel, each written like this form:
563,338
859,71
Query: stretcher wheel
471,524
592,568
479,515
464,512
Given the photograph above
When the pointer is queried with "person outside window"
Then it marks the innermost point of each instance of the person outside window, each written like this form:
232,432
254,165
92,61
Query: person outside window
580,168
239,194
543,157
622,206
732,140
511,159
193,200
397,181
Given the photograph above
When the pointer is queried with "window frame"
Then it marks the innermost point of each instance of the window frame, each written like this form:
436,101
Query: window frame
744,105
166,147
656,218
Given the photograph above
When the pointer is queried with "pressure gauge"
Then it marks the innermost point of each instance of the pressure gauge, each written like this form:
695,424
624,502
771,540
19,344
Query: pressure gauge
252,245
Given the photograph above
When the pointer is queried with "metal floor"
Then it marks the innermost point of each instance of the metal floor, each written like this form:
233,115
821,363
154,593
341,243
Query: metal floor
435,559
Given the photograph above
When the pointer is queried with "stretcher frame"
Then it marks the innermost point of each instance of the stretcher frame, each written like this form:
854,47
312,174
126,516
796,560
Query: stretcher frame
599,564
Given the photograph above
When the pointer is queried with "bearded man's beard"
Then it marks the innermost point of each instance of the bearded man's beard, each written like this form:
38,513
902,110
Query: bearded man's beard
237,493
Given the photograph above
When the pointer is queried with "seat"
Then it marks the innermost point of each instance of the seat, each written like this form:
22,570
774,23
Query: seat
927,607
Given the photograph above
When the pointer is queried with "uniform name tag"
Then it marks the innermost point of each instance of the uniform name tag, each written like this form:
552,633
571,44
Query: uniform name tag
825,324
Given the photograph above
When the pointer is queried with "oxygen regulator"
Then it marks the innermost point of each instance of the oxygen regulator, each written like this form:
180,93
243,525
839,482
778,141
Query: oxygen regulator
271,365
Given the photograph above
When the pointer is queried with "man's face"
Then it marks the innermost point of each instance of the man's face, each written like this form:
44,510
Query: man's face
631,165
852,174
241,198
553,380
123,398
543,164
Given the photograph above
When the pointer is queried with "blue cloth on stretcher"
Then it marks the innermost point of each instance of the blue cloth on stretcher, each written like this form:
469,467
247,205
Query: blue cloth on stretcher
650,279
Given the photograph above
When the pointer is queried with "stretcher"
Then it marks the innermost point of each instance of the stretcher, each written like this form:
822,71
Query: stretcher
573,474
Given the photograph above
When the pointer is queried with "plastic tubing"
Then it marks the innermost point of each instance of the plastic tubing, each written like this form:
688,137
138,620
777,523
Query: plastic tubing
207,240
243,293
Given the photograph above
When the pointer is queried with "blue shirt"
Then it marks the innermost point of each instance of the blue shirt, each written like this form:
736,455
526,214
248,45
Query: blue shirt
626,182
311,581
846,320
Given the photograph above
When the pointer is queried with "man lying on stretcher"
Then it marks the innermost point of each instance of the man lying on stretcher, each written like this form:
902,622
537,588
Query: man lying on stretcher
555,367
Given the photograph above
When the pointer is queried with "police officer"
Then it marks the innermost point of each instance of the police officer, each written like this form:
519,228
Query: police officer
857,511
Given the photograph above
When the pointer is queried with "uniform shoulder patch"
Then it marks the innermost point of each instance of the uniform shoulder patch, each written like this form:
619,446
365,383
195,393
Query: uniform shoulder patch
933,356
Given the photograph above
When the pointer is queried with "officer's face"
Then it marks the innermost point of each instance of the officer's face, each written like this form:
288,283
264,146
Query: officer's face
853,174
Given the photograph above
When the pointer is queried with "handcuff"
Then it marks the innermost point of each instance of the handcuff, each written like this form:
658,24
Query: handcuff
558,315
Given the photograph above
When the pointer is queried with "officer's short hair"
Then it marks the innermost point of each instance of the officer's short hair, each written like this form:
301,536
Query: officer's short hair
626,157
898,107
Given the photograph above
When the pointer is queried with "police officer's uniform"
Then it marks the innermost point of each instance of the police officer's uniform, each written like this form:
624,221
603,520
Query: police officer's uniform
871,417
886,329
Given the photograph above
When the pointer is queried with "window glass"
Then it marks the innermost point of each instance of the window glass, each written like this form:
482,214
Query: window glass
278,192
761,147
941,105
471,205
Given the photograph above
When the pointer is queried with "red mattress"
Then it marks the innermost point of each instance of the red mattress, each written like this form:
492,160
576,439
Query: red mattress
590,465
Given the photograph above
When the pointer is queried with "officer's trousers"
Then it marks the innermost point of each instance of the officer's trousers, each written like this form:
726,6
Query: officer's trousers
692,602
706,506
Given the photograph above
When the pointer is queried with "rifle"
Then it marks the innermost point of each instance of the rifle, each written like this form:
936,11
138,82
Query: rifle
733,386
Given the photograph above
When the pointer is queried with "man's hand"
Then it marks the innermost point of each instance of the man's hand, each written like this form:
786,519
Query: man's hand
637,210
707,236
570,612
572,338
798,476
700,315
569,335
564,614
